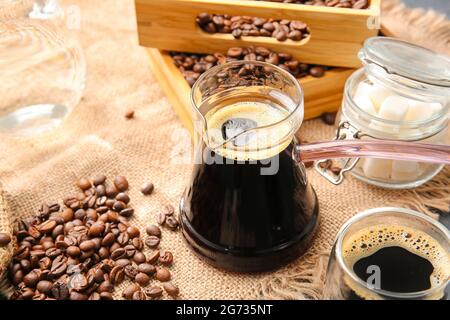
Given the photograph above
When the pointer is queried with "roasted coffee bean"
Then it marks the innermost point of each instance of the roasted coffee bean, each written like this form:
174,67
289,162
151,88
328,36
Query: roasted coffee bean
325,164
77,282
139,258
117,254
77,296
117,275
67,214
166,258
123,262
53,253
162,274
137,243
171,289
123,197
317,72
308,164
160,218
329,118
96,229
31,279
153,257
130,271
139,295
119,206
47,226
44,286
172,222
99,179
146,268
147,188
142,279
108,239
123,239
153,230
121,183
87,245
5,239
130,250
105,286
84,184
128,292
336,170
129,114
152,241
111,191
128,212
106,296
168,210
133,232
154,292
60,291
237,33
94,296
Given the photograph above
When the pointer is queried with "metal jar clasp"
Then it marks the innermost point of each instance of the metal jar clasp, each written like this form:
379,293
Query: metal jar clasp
345,131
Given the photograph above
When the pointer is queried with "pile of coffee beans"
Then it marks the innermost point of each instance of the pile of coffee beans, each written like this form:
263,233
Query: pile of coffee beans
193,65
354,4
240,26
83,249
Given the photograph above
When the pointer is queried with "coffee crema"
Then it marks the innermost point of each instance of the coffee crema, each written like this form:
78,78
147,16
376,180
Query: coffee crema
410,259
247,124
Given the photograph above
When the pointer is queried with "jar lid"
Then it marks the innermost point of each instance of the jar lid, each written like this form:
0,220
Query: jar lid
407,60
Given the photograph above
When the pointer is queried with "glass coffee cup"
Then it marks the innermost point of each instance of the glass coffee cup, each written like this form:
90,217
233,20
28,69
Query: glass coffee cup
249,206
389,253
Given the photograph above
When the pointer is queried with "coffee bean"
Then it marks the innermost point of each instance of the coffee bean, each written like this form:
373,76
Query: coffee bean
123,262
172,223
47,226
44,286
153,230
171,289
106,296
153,257
60,291
308,164
147,188
128,292
142,279
154,292
128,212
77,296
329,118
31,279
162,274
336,170
77,282
119,206
96,229
105,286
116,275
133,232
317,72
5,239
146,268
84,184
152,241
117,254
121,183
111,191
123,197
131,271
129,114
166,258
137,243
87,245
108,239
139,295
235,52
160,218
139,258
237,33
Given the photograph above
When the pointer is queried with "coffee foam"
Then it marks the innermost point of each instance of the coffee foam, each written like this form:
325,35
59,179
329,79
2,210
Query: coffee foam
261,143
369,240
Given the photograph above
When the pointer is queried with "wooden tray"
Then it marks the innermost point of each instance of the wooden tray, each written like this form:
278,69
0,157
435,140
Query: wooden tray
321,94
336,34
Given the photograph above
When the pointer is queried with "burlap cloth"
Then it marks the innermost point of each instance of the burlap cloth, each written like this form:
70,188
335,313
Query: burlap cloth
97,138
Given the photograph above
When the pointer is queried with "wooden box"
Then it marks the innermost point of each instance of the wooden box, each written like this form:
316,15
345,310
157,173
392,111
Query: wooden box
321,94
336,34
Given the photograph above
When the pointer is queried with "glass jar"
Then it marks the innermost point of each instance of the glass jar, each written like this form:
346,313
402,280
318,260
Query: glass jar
402,93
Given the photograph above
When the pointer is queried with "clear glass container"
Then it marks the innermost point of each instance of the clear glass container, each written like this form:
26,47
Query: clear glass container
43,70
409,76
343,283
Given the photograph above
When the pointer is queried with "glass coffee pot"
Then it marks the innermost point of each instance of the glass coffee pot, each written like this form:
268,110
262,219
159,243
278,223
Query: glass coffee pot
249,206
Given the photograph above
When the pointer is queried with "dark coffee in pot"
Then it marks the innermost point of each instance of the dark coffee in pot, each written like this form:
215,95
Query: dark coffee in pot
248,208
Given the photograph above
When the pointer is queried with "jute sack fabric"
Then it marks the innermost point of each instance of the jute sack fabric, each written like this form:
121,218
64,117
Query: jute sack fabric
153,146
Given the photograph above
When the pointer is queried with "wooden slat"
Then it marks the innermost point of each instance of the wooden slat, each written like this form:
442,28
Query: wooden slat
321,94
336,33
